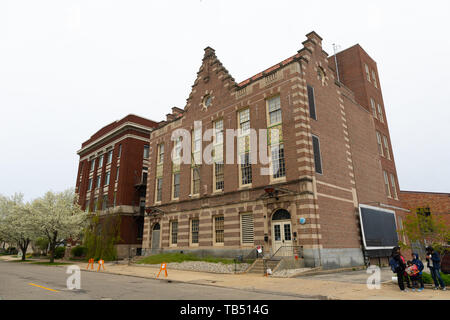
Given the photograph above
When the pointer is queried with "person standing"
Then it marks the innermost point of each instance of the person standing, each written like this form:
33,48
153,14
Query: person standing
434,264
398,266
416,260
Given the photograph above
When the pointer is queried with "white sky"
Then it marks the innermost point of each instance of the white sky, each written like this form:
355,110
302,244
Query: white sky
67,68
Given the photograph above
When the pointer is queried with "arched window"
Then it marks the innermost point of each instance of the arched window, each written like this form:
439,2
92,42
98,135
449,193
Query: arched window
281,214
156,226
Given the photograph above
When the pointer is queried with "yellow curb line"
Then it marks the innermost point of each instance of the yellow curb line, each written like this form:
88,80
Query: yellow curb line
32,284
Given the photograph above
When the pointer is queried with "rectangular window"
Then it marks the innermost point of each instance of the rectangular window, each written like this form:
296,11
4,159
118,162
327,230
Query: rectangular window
146,151
312,103
90,184
174,232
92,164
386,184
374,110
107,177
394,188
117,174
386,147
119,153
195,180
274,110
86,208
218,167
218,155
380,113
95,204
194,231
244,147
247,228
367,72
159,189
97,183
219,229
100,161
105,202
244,121
278,163
144,178
317,156
374,78
246,169
109,157
380,146
161,153
176,185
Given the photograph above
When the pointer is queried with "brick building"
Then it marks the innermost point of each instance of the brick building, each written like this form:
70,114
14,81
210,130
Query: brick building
332,153
429,203
112,175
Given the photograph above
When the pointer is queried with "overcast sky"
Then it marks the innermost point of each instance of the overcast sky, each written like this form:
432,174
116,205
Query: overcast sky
67,68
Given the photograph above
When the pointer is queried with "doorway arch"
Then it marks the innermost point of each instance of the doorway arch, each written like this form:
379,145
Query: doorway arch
282,232
156,233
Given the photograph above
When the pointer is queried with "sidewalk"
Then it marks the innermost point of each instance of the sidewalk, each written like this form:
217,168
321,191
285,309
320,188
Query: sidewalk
305,288
300,287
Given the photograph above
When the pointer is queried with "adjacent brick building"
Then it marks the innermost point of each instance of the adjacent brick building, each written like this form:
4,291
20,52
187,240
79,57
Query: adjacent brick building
112,175
332,154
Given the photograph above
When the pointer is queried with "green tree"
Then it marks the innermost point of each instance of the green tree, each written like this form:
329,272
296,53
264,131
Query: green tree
420,226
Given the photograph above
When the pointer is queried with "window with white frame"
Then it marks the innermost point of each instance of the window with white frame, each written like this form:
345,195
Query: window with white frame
100,161
367,72
374,110
107,178
109,157
218,155
176,185
275,138
92,165
97,183
386,147
195,180
393,186
244,147
159,189
386,184
380,145
219,229
105,202
146,151
117,173
374,78
95,204
380,113
90,184
195,223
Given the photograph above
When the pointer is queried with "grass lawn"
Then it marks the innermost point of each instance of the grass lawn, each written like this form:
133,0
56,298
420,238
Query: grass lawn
427,278
180,257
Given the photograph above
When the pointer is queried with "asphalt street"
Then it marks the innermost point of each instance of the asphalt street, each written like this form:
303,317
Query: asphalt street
23,281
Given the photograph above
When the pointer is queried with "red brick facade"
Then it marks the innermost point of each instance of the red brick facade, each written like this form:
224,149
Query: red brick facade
352,166
124,191
439,203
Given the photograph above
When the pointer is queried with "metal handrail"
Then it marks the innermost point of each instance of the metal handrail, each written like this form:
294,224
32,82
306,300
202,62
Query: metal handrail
296,250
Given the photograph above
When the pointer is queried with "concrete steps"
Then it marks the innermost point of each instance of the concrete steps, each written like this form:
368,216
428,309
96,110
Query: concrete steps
258,266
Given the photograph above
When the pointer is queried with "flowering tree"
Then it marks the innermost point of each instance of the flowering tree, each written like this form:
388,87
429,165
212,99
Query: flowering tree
16,222
59,217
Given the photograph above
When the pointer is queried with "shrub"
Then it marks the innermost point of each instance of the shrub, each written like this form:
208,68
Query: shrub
428,279
78,251
59,252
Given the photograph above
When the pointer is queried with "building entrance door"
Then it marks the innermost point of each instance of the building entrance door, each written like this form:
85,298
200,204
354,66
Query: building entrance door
282,238
156,236
282,233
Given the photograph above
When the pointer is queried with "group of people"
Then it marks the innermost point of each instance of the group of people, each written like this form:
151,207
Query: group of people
411,270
